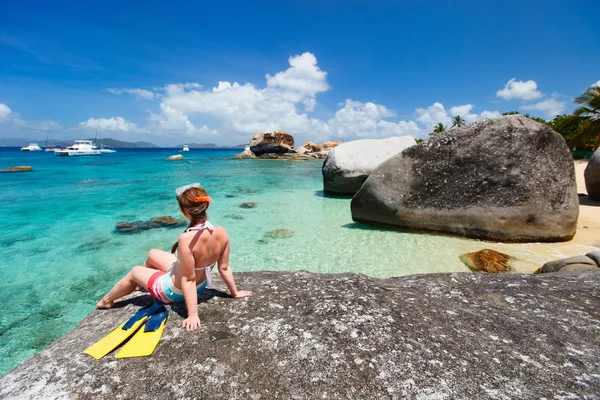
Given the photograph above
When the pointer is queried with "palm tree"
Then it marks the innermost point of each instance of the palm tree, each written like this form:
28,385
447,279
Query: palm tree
438,128
458,122
589,112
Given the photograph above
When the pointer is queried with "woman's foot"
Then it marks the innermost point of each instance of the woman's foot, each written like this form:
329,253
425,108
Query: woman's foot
104,303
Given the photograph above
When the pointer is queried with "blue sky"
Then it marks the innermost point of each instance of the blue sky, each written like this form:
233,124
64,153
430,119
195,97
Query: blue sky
322,69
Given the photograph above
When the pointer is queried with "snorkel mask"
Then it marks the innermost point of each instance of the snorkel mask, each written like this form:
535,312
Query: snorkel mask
205,200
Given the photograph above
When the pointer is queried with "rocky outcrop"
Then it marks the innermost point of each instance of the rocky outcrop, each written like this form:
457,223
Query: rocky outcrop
286,156
140,226
175,157
592,176
487,260
309,336
594,255
348,165
330,145
17,168
570,264
509,179
245,154
271,142
312,147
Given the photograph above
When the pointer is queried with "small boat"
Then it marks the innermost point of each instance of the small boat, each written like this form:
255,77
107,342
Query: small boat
51,148
31,147
80,148
103,149
185,148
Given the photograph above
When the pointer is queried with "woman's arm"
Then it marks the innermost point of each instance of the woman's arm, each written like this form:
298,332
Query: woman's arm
188,282
227,275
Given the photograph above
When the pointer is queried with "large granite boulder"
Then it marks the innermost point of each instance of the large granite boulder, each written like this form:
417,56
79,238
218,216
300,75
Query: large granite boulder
348,165
330,145
271,142
312,147
508,179
592,176
315,336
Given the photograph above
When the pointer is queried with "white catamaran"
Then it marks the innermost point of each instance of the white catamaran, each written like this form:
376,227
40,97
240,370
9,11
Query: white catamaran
80,148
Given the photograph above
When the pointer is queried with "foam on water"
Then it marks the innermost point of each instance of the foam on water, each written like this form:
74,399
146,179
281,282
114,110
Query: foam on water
60,253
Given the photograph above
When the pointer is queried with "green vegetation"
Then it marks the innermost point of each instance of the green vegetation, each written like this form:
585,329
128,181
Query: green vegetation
438,128
458,122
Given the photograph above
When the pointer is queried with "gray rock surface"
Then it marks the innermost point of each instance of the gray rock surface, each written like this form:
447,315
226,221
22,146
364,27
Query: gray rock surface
594,255
348,165
508,179
309,336
576,263
592,176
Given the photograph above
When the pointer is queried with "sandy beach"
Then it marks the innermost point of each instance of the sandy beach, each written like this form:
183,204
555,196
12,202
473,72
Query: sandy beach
588,225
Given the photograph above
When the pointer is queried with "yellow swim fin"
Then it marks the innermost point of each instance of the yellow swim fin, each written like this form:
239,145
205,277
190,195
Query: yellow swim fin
146,339
123,332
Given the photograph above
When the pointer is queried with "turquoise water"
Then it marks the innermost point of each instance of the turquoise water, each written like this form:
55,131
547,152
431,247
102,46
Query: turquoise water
60,253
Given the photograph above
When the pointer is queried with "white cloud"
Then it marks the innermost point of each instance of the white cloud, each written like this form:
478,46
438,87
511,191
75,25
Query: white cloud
141,94
549,107
109,124
489,114
366,120
174,123
5,112
523,90
432,115
301,82
465,112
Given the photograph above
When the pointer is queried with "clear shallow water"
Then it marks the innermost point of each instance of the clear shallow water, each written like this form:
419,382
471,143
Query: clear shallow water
59,252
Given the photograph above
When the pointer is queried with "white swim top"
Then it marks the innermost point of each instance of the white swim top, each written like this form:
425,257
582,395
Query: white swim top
200,227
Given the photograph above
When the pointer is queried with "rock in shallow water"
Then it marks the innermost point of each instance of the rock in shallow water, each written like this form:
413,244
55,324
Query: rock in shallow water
508,179
348,165
303,335
139,226
18,168
487,261
176,157
577,263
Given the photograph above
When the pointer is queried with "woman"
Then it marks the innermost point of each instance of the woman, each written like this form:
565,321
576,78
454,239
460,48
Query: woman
186,270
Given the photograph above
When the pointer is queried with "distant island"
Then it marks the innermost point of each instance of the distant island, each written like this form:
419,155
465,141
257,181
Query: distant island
108,142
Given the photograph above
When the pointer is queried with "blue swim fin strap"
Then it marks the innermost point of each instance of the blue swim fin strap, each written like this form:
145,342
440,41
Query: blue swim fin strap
145,311
155,321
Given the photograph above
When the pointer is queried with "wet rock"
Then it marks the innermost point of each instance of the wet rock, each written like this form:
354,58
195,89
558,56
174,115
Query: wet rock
487,260
276,234
18,168
309,336
140,226
592,176
286,156
577,263
236,217
271,142
249,204
349,165
507,179
175,157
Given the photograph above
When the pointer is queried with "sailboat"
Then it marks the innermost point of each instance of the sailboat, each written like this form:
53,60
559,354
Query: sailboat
102,148
51,148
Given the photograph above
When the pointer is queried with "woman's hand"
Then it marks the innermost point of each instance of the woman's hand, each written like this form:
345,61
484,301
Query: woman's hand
242,293
191,323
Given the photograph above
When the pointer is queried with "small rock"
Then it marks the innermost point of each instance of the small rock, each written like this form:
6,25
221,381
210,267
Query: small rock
594,255
140,226
577,263
249,204
175,157
487,261
18,168
234,216
280,234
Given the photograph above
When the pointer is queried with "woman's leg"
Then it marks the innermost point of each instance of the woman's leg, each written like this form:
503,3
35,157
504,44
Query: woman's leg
137,276
160,260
